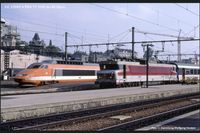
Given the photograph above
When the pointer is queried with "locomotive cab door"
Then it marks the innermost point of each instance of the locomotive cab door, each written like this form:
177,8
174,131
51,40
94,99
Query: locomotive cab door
124,72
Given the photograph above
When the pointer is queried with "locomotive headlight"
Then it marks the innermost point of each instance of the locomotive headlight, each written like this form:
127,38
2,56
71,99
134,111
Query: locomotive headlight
99,76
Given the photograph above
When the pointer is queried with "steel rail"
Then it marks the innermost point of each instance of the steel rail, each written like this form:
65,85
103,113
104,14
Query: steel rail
144,121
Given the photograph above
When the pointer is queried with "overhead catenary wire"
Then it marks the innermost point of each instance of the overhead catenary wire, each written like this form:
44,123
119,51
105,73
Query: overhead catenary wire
138,42
135,17
177,54
47,39
42,32
159,34
187,10
121,33
56,27
193,29
72,35
123,36
61,35
169,16
44,25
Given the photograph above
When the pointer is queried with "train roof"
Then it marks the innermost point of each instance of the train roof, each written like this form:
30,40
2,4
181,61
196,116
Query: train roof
69,62
191,66
62,62
135,63
119,62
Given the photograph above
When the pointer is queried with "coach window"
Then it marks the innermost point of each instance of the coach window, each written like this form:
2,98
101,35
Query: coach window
198,71
195,71
187,72
191,71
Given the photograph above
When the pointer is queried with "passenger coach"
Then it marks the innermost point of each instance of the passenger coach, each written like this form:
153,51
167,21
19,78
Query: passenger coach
187,72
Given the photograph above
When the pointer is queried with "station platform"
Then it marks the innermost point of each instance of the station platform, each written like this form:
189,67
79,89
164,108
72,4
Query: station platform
32,105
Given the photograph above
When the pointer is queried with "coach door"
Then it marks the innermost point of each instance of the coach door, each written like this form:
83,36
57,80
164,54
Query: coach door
183,74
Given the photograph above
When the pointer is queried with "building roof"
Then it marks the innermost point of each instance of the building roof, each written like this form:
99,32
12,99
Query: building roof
3,20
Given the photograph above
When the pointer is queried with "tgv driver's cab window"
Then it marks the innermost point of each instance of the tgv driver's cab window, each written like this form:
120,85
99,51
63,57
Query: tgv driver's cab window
34,66
44,66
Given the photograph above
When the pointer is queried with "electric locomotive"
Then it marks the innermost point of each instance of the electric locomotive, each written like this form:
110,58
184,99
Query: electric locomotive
124,73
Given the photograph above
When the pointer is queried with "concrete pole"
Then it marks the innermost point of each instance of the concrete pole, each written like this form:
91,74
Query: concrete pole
108,42
133,40
66,47
147,64
147,68
179,50
179,47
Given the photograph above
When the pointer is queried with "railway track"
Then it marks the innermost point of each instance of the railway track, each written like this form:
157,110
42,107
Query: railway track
150,119
139,113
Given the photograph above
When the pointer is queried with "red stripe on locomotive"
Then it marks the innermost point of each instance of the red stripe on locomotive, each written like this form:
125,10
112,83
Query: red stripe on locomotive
153,70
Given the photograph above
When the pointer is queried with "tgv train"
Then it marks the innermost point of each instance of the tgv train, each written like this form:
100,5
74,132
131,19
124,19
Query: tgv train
123,73
54,71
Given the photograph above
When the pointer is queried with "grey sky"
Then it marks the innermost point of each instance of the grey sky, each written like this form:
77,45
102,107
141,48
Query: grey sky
93,22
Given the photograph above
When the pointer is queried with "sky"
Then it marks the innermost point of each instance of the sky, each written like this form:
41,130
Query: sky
107,22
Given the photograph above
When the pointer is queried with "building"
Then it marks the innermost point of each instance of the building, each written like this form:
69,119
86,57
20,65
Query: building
36,45
20,60
123,53
81,56
95,57
9,35
36,41
190,61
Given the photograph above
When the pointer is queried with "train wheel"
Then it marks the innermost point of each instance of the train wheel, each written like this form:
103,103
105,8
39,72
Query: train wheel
101,86
41,83
130,84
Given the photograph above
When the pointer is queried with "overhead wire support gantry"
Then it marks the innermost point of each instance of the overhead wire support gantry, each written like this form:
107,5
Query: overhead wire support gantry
138,42
132,43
